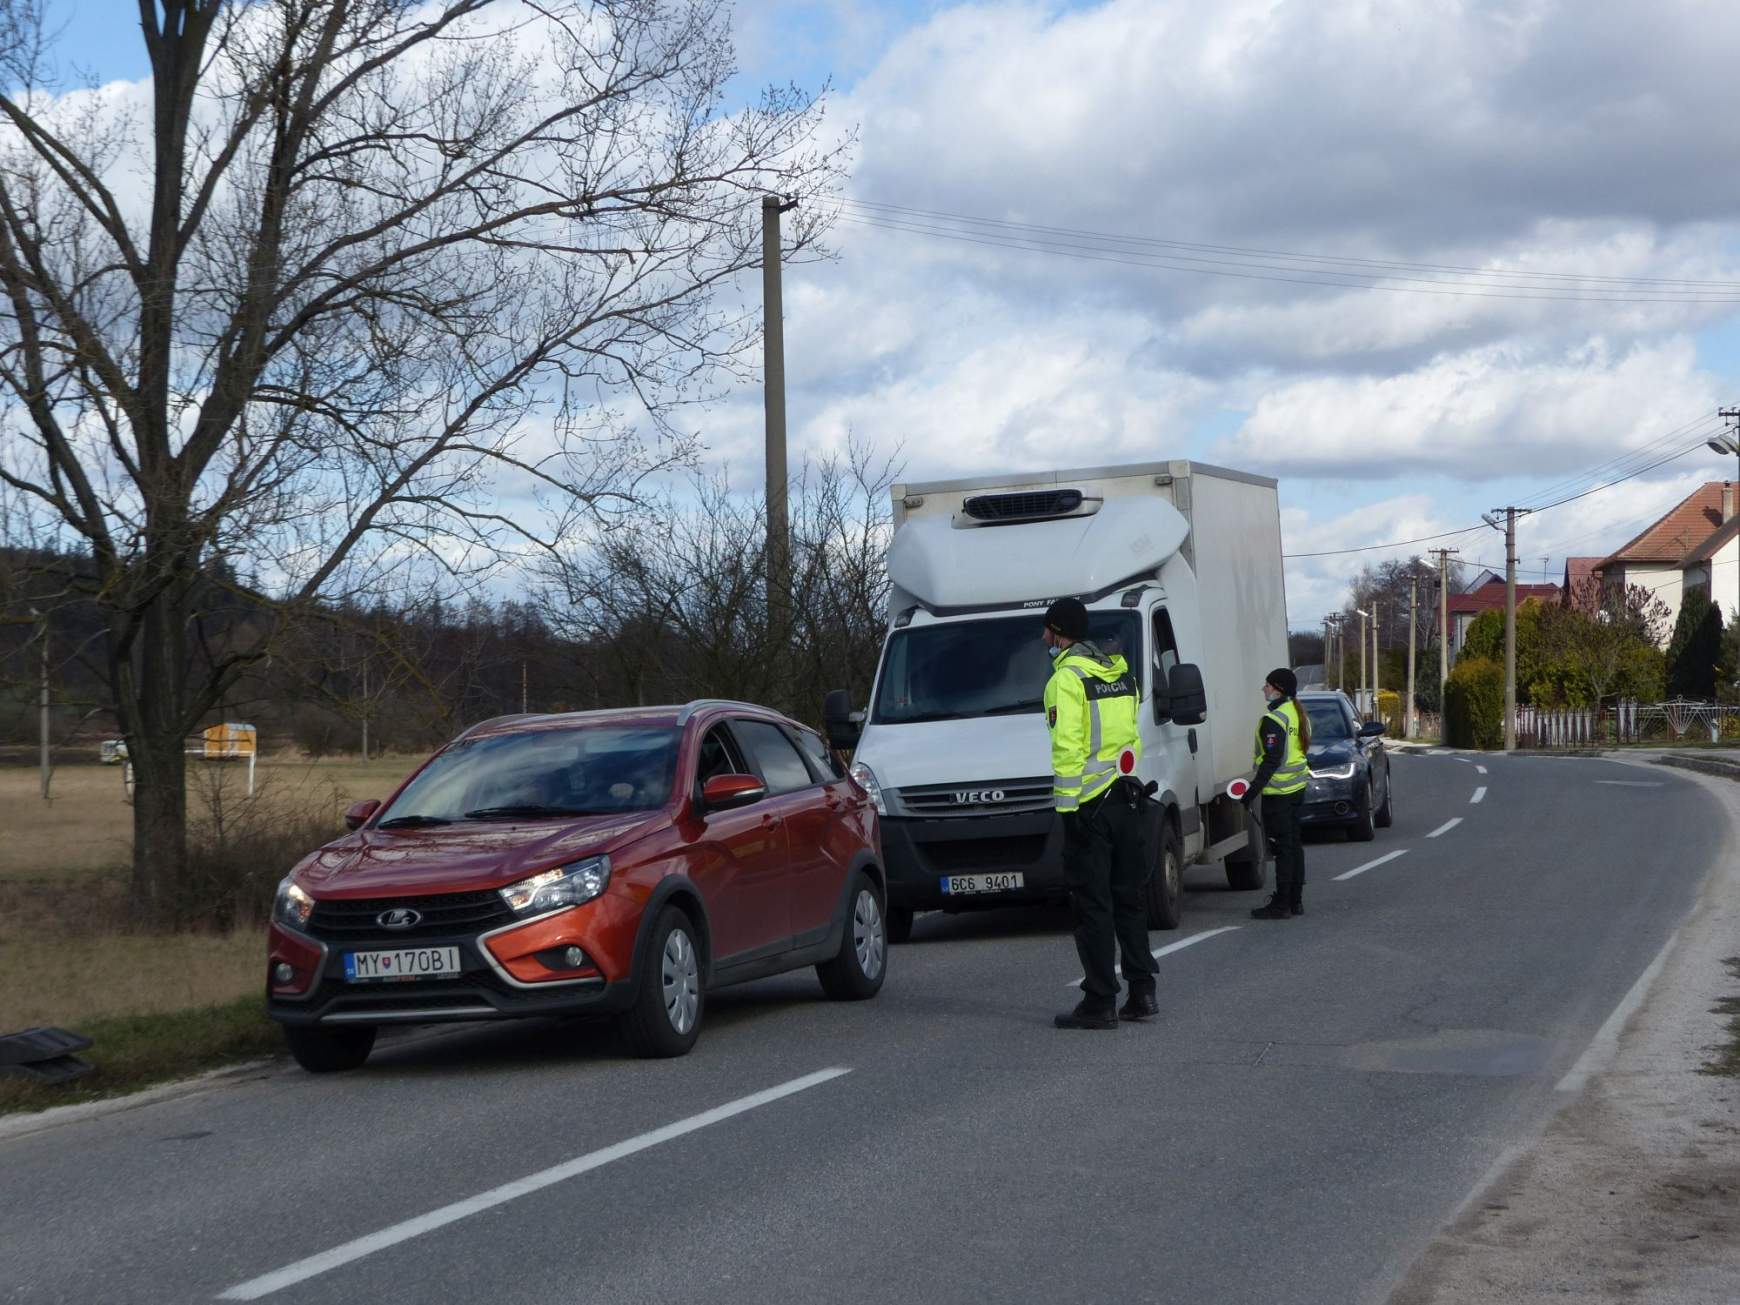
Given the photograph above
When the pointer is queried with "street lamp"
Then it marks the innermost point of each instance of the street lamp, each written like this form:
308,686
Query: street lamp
1364,616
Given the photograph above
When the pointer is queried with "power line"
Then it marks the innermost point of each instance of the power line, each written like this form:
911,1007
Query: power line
1300,270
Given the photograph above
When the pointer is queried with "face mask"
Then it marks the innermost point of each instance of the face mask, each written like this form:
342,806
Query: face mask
1272,698
1053,651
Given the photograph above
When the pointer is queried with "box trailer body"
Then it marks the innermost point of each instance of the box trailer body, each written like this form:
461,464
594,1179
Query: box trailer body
1180,567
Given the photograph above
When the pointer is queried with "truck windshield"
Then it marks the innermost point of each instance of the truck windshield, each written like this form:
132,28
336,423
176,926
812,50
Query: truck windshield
990,667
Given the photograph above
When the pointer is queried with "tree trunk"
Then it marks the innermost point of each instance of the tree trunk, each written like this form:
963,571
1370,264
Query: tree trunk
156,730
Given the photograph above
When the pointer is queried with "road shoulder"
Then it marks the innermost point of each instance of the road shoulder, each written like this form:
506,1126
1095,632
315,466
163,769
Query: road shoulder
1632,1192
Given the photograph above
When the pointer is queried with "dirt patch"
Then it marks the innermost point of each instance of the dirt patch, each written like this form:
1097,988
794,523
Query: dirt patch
1725,1060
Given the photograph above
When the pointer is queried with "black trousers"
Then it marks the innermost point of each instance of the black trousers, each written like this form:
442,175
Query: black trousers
1106,863
1282,830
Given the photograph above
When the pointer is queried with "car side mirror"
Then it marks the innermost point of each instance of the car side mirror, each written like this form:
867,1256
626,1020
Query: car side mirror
723,792
843,732
1162,696
1372,729
358,813
1189,700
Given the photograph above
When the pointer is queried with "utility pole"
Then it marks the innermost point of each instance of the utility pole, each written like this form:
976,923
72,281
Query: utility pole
1443,555
1729,443
1363,676
773,382
1376,687
1408,728
1509,527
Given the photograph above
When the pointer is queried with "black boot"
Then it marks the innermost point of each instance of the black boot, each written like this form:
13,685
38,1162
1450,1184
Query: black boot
1273,909
1140,1004
1298,908
1088,1015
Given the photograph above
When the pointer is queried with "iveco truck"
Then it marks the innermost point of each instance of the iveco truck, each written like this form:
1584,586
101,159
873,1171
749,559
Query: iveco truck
1180,567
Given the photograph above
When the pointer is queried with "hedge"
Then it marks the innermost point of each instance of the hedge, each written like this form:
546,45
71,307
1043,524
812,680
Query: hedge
1474,704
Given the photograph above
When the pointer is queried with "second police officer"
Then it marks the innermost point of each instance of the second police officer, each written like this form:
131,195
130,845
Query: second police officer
1091,703
1283,738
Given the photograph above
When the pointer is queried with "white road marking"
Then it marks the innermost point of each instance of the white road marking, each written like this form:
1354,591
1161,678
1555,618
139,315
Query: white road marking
1178,946
1445,828
1632,783
1371,865
1479,796
1481,769
326,1261
1465,761
1603,1049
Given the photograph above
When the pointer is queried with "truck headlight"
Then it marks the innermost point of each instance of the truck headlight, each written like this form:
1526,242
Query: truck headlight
1339,772
567,885
292,906
867,781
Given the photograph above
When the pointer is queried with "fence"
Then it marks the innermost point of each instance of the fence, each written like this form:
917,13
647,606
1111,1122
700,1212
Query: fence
1625,722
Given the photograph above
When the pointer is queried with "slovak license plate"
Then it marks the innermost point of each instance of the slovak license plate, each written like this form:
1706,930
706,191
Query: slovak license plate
405,963
960,885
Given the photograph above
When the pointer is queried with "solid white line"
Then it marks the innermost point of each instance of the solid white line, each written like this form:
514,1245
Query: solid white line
1603,1049
1445,828
314,1265
1371,865
1178,946
1479,796
1632,783
1481,769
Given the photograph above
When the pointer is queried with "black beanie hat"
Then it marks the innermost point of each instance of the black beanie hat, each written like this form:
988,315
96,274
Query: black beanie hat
1284,680
1068,617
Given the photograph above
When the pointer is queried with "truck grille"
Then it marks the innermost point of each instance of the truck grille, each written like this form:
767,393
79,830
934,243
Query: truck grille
984,854
357,919
1037,504
1004,795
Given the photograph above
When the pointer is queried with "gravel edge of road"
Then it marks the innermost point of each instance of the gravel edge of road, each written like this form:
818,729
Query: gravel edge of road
1630,1191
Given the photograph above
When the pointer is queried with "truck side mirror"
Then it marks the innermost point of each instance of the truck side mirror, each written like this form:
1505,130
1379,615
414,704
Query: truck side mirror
1162,696
843,732
1189,700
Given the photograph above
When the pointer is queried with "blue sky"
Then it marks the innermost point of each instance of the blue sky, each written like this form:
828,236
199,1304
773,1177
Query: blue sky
1550,136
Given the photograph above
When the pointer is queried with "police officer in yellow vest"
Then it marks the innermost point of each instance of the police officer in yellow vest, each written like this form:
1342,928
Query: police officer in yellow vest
1091,702
1283,736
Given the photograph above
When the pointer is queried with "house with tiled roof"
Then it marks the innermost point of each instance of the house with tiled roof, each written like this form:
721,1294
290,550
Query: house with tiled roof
1695,544
1486,594
1578,590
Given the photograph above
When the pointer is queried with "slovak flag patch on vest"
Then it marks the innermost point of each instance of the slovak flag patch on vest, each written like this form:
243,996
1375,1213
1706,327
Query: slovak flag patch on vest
1127,762
1051,718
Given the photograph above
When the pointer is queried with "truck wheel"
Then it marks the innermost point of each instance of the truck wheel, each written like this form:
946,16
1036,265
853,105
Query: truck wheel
1363,829
325,1051
1386,814
665,1019
899,923
1166,883
857,971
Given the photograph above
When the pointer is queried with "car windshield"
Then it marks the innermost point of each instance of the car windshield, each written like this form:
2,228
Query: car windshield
592,770
995,666
1328,721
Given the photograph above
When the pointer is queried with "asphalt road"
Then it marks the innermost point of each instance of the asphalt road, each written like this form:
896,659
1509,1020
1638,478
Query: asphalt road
1315,1099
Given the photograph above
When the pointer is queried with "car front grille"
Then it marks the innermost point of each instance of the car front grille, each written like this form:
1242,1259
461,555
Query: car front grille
1007,795
357,919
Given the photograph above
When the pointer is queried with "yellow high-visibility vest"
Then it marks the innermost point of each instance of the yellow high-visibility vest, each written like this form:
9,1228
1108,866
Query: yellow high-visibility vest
1091,702
1293,773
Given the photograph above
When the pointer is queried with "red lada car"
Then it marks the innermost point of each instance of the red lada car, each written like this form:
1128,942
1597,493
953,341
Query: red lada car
608,862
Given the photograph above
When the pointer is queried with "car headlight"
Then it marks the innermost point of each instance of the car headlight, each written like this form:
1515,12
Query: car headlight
1339,772
567,885
292,906
867,781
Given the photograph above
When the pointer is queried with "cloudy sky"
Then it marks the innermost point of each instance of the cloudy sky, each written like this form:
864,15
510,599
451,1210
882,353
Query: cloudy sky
1544,193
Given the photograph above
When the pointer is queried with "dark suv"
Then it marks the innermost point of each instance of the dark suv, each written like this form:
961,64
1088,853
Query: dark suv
613,862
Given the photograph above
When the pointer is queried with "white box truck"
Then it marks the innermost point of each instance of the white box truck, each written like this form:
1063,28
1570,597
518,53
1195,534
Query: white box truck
1180,567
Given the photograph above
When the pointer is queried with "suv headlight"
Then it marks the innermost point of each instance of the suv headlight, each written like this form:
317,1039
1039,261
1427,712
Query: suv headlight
567,885
292,906
1339,772
867,781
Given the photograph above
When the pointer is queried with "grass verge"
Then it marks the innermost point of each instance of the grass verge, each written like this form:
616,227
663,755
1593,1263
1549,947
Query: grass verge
1727,1058
131,1052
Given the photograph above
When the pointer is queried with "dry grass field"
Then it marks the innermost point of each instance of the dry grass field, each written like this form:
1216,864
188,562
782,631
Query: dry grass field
68,952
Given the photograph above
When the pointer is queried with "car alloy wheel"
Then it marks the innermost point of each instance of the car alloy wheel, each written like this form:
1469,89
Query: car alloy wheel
681,977
869,939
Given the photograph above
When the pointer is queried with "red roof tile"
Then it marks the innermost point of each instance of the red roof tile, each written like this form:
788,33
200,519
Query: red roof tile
1683,530
1491,596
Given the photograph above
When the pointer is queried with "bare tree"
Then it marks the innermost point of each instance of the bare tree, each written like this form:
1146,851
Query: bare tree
401,280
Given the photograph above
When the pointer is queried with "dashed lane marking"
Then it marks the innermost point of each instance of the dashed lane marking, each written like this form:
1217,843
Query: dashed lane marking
1371,865
1480,769
1632,783
338,1256
1445,828
1479,796
1178,946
